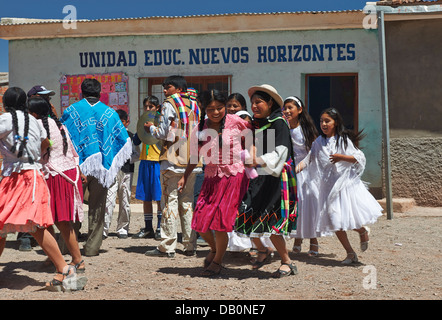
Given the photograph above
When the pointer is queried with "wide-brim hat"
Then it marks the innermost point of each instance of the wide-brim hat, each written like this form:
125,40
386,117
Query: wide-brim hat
269,90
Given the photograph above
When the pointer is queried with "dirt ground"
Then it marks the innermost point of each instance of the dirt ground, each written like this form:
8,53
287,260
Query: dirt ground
403,262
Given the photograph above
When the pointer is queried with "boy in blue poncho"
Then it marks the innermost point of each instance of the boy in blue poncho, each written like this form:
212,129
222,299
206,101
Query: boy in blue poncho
103,146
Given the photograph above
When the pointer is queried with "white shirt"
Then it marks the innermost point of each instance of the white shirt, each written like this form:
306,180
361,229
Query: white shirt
36,134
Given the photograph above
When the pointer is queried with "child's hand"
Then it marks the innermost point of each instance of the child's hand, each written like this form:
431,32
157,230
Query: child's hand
147,126
341,157
181,184
299,167
335,157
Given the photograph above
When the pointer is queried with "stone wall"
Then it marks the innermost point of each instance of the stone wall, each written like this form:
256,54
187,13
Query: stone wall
416,165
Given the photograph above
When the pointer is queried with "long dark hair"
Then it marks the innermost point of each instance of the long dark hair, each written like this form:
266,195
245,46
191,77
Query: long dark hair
206,97
341,131
306,122
15,99
42,108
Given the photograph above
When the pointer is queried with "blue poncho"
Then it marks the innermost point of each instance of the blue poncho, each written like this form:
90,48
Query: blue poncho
100,139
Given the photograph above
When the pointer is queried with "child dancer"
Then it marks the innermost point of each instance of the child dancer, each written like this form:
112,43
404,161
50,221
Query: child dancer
224,184
334,170
269,206
149,184
63,177
24,201
303,132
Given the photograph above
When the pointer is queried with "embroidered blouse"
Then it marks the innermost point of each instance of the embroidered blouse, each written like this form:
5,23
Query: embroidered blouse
224,161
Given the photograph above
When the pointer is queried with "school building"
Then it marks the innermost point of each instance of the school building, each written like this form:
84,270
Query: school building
325,58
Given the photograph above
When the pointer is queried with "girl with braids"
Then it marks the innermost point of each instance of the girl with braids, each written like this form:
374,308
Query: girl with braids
225,182
63,177
334,168
24,201
303,132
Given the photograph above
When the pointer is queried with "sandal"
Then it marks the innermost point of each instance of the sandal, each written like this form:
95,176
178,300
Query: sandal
258,264
56,285
283,273
352,258
207,262
70,281
313,253
210,272
364,244
78,265
296,249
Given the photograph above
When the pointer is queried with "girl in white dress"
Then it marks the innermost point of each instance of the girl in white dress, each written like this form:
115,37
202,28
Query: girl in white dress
334,169
303,132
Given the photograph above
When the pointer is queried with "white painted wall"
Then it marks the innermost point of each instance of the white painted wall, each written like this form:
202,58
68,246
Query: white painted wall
45,61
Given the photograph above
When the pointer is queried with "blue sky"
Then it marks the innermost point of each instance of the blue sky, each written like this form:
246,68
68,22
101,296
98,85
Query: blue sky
102,9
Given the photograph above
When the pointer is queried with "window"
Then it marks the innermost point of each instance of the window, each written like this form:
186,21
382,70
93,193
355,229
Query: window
154,86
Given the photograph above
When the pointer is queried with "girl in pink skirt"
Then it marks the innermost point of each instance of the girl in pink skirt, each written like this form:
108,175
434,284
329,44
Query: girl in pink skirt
225,182
24,200
63,176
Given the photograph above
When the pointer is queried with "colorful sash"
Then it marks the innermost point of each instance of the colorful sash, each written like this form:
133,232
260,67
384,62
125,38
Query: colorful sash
182,108
288,193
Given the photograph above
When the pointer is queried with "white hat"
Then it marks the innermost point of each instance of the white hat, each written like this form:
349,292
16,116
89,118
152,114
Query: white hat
269,90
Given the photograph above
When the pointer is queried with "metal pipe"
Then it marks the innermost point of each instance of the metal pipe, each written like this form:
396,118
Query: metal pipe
385,120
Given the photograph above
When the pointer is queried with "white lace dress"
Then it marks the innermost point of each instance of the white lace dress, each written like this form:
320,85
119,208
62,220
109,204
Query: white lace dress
343,200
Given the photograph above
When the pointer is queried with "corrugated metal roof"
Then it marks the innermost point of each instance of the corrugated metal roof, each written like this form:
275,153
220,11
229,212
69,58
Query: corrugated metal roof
25,21
407,2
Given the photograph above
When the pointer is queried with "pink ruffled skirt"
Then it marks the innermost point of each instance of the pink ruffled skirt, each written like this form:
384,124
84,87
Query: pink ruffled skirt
217,205
24,203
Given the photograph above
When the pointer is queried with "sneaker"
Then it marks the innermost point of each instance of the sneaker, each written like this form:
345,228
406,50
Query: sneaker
158,234
189,253
122,236
143,234
25,244
157,253
201,242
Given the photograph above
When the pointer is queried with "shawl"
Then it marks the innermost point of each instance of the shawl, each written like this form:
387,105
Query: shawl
326,179
182,108
99,138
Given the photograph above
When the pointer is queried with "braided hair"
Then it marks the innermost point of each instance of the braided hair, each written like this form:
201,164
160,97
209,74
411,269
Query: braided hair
43,110
15,99
206,98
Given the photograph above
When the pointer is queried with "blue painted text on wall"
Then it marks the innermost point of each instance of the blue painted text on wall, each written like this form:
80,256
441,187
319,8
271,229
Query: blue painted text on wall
216,56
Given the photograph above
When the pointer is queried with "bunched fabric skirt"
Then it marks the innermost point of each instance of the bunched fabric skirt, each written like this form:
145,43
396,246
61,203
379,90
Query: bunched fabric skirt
24,203
62,196
217,205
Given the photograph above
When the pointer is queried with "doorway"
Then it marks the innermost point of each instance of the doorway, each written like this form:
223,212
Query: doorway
337,90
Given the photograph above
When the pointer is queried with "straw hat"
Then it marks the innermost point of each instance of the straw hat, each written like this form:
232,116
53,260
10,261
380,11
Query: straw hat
269,90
